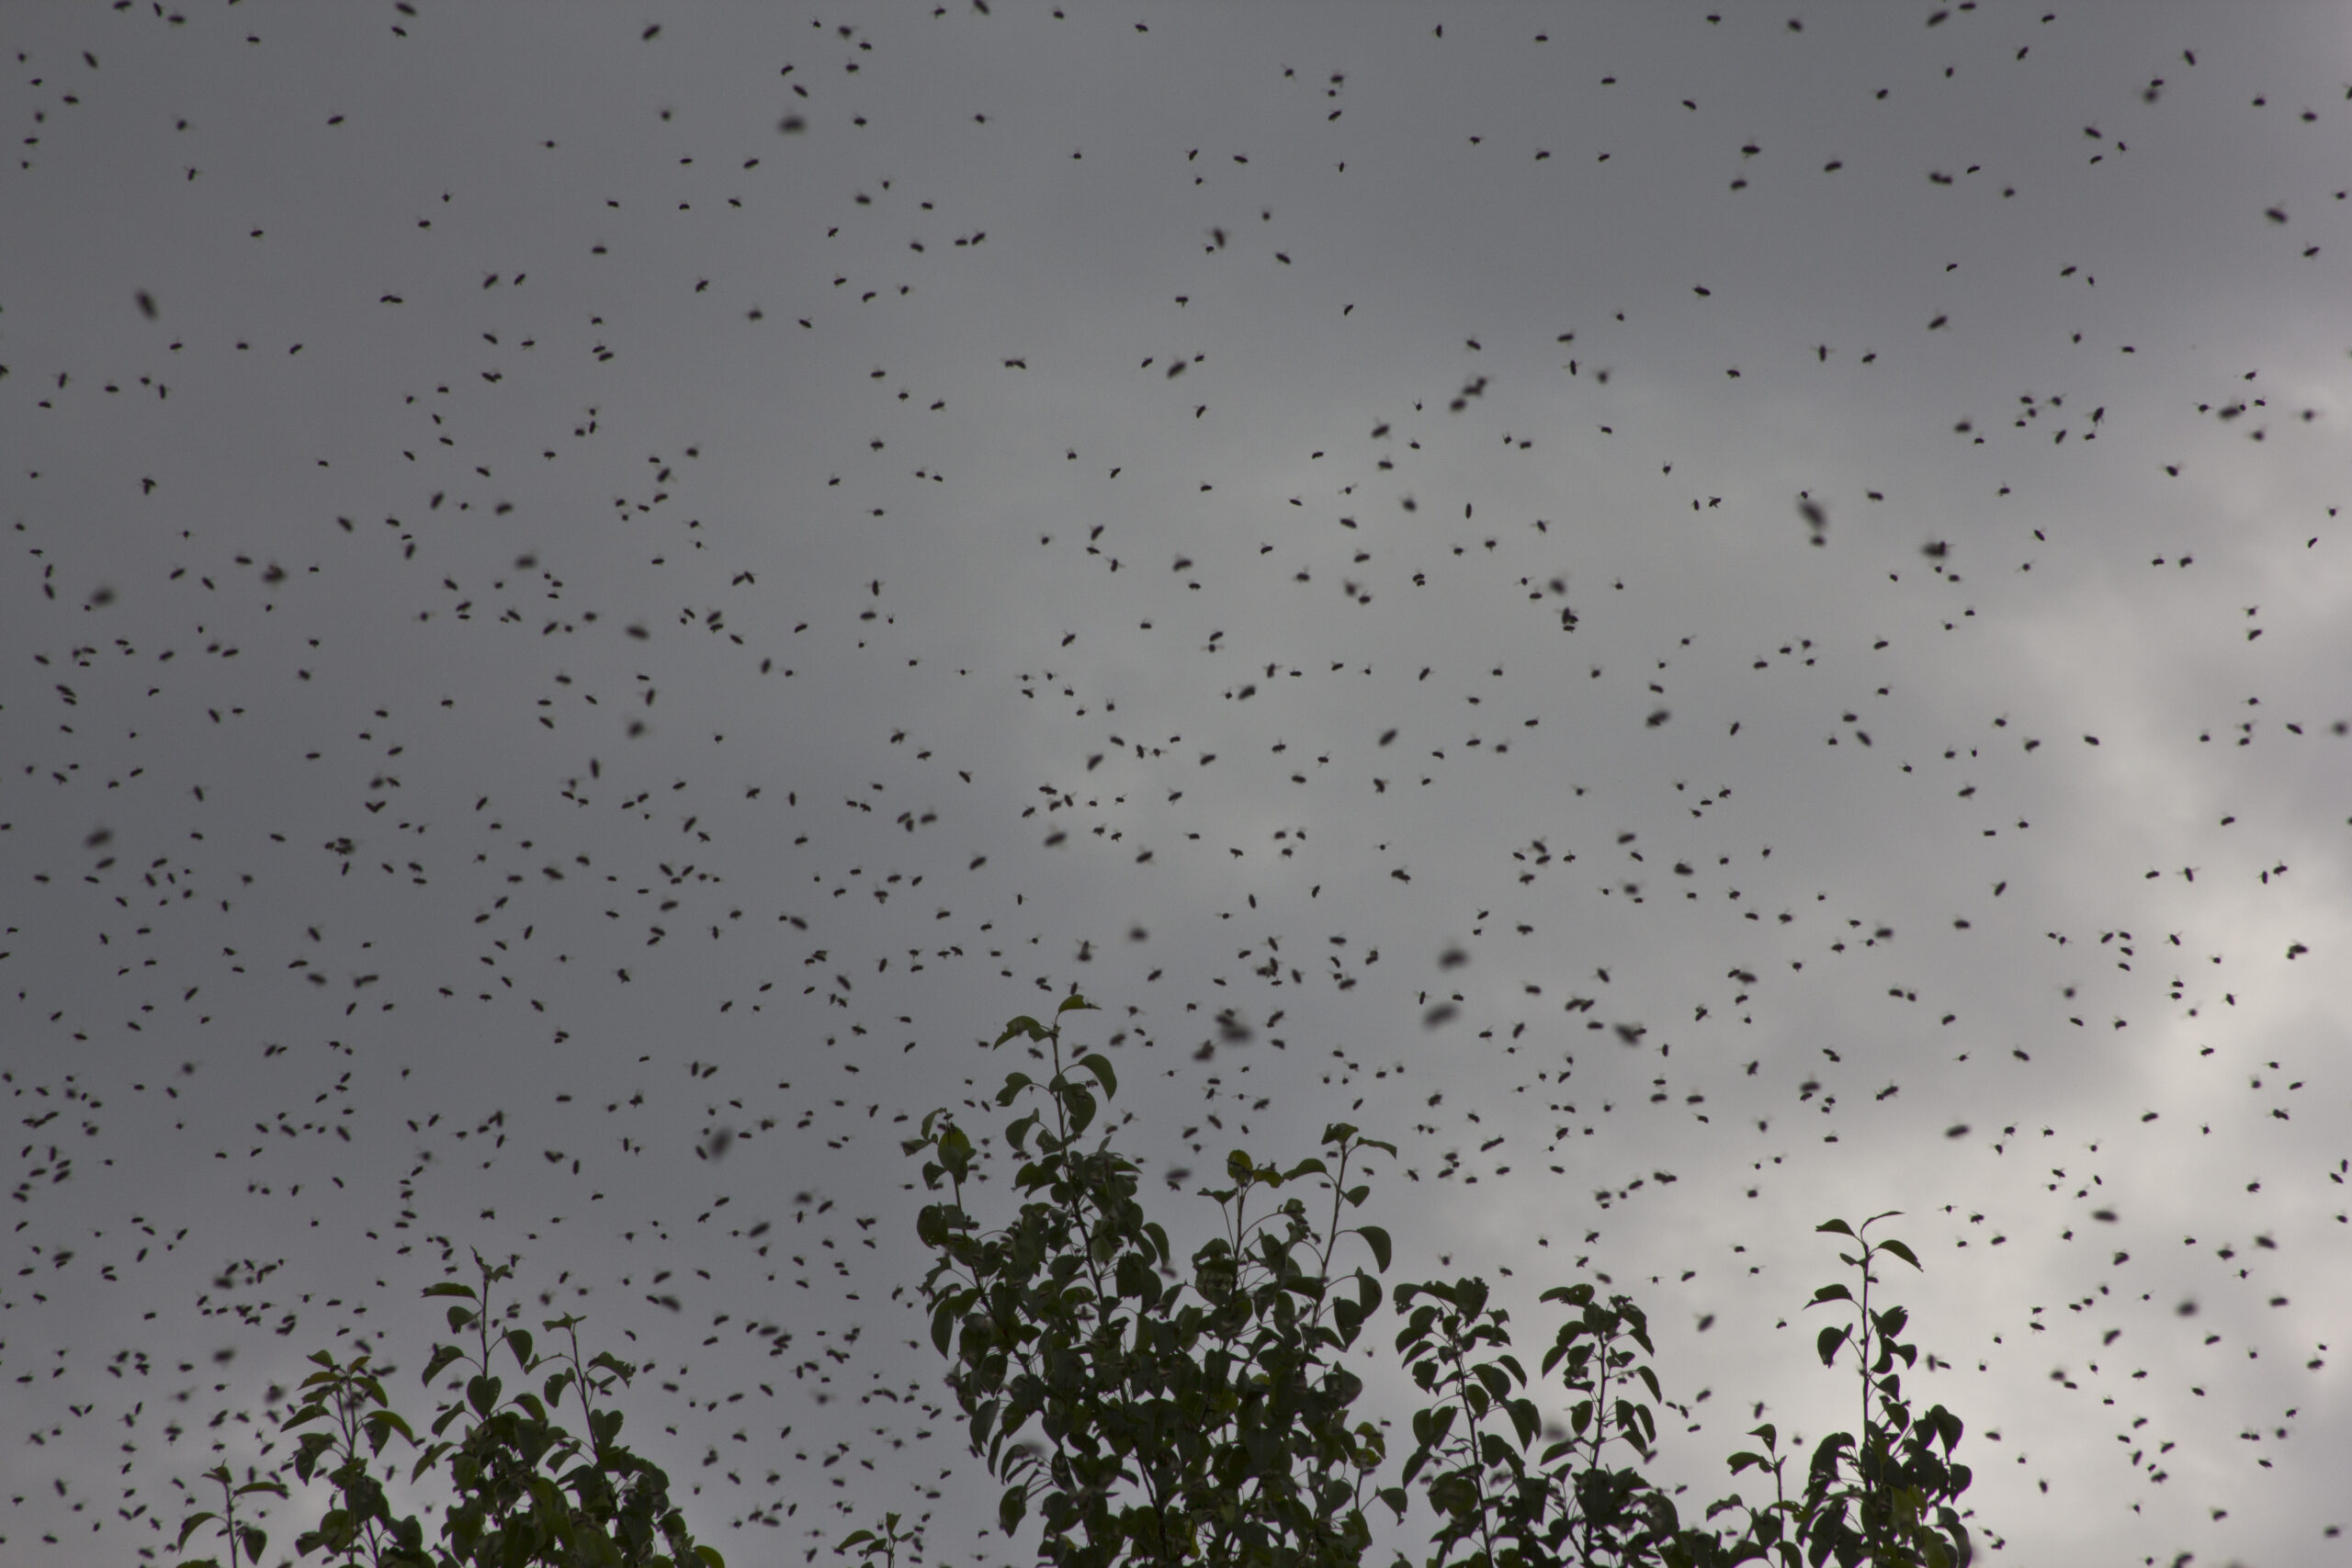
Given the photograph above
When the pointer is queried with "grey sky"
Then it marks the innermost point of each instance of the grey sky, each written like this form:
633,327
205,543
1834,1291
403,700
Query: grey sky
577,589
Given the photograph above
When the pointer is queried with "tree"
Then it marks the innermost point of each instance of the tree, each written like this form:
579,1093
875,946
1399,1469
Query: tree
1208,1421
1149,1419
526,1492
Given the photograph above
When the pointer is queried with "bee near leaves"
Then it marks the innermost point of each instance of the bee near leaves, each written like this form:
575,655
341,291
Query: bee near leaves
1148,1413
1144,1410
526,1492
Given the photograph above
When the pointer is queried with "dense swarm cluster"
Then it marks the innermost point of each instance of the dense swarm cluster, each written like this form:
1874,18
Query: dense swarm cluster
1697,617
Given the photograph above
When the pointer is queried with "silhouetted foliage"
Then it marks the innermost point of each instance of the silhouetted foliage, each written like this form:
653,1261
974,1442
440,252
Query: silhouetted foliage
1208,1421
1144,1418
526,1492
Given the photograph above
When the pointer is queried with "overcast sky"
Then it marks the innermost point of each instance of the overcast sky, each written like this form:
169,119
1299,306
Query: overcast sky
1705,618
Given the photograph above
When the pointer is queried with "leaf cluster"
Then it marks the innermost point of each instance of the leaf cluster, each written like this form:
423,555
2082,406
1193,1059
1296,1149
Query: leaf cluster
1145,1412
526,1491
1149,1414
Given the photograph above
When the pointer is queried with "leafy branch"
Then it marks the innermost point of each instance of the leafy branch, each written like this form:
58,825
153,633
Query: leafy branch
251,1539
1206,1420
528,1493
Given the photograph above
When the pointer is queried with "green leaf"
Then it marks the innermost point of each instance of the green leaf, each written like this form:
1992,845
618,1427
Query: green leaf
191,1524
943,1325
481,1392
1082,1108
461,1319
1025,1024
955,1151
442,1356
1073,1003
1900,1251
709,1554
519,1341
383,1424
1838,1226
1377,1239
1099,1065
1827,1345
449,1288
314,1446
1455,1495
1830,1293
1943,1426
1010,1507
